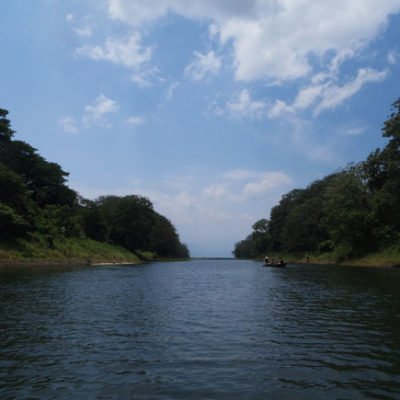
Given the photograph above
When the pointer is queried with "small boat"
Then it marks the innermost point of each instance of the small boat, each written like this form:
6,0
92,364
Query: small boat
279,265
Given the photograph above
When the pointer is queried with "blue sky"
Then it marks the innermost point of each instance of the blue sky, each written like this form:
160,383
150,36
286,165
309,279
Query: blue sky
211,108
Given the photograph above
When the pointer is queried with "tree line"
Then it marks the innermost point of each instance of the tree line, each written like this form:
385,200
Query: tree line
37,204
349,213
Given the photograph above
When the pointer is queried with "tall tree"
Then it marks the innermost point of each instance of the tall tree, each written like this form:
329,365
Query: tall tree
382,175
347,214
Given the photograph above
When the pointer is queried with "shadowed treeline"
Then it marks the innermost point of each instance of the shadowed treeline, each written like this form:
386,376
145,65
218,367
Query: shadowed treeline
37,206
348,214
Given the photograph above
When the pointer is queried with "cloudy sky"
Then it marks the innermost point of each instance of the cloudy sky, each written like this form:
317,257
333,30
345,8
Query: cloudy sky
211,108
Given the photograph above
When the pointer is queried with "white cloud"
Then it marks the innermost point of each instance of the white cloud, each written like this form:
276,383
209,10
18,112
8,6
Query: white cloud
308,96
95,114
279,108
136,13
354,131
335,95
267,182
172,89
392,57
280,44
203,65
246,107
327,95
240,185
217,211
126,51
135,120
216,191
210,211
85,31
146,77
275,40
68,124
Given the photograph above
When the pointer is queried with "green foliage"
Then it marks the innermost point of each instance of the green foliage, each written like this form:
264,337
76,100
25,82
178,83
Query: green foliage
92,220
302,230
72,249
131,222
245,248
146,255
349,213
45,181
6,132
16,209
11,223
37,205
382,176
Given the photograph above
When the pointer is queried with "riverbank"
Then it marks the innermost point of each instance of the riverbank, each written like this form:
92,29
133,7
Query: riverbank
67,252
385,258
63,252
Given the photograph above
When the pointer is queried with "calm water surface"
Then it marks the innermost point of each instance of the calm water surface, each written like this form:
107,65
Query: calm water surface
205,329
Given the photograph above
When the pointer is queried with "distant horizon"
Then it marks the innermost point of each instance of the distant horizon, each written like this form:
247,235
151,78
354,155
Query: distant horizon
211,109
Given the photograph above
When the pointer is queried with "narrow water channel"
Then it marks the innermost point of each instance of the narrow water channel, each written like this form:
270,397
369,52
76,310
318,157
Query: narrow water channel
204,329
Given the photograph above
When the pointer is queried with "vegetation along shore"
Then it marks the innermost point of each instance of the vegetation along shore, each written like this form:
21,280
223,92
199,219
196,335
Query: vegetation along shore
351,216
43,221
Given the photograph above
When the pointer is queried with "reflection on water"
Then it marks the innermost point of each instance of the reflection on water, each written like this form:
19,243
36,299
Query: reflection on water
204,329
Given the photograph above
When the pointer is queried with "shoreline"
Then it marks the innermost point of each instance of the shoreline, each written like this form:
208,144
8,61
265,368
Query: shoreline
373,261
81,262
70,262
58,263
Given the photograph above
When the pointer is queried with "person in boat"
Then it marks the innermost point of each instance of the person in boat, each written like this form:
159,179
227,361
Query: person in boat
281,261
266,260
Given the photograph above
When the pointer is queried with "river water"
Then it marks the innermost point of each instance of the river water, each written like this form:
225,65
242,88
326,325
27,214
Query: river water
204,329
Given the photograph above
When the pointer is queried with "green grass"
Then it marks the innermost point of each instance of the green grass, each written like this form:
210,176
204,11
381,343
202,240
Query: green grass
63,250
146,255
386,257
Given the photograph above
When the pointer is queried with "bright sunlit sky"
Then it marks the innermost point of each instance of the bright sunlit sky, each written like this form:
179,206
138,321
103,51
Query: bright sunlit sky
210,108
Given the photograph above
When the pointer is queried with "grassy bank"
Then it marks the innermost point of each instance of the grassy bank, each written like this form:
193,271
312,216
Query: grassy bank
63,251
388,257
384,258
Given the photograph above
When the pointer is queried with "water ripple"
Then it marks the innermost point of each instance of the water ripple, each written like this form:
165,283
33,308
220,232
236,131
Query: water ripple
201,330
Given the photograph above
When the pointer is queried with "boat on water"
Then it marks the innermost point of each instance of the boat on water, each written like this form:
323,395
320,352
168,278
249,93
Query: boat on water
278,265
270,262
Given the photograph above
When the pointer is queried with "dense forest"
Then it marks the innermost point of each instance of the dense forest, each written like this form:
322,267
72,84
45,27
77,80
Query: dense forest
37,205
348,214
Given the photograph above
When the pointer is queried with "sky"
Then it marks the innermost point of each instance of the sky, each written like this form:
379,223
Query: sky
213,109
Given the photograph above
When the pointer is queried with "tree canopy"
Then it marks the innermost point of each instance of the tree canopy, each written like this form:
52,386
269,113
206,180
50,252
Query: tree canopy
351,212
35,199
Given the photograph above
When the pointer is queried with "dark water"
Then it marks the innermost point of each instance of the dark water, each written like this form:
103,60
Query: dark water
200,330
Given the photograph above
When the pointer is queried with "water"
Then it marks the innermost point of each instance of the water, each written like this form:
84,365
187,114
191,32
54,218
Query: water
206,329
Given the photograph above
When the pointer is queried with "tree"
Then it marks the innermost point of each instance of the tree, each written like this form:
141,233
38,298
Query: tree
165,240
382,175
279,215
6,132
245,248
17,209
347,214
46,181
351,212
35,200
131,222
92,220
